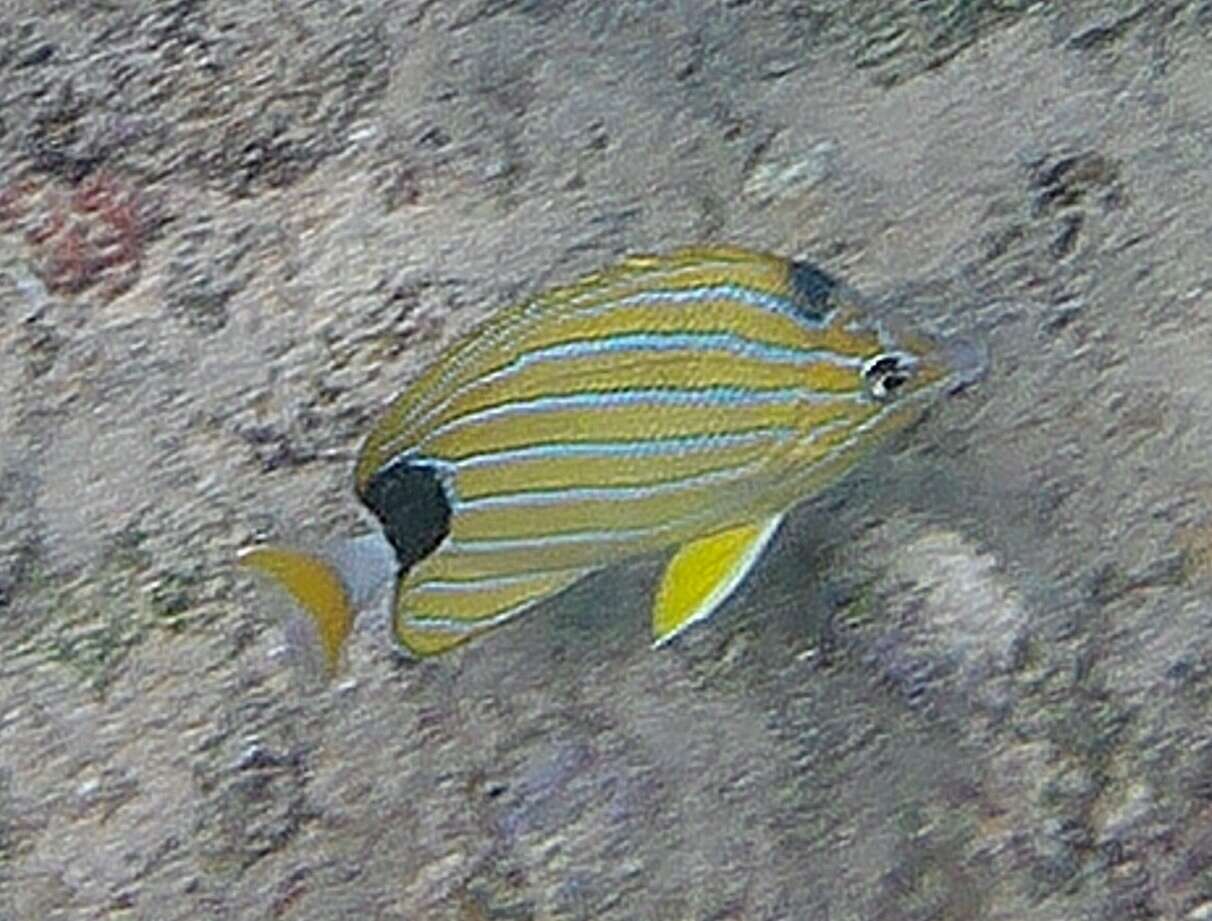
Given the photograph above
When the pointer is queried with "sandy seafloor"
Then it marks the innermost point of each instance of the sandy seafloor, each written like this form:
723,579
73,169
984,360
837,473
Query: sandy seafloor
974,681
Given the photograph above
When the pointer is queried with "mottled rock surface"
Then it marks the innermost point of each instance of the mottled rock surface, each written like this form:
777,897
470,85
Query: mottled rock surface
972,682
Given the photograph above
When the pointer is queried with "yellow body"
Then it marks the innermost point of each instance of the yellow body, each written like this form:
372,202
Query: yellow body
681,401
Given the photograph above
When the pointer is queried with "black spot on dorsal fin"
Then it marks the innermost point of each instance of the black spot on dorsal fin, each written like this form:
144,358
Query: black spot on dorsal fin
409,500
814,285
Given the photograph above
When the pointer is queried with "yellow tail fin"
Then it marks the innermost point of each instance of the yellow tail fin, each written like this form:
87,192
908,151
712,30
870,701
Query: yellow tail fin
317,588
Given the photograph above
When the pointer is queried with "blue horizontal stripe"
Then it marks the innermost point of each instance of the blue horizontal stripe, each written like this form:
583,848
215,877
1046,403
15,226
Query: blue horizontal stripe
648,396
487,583
784,307
731,343
494,545
625,449
540,497
619,535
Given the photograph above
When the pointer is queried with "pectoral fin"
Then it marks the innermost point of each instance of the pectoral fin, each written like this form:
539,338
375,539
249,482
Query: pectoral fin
705,572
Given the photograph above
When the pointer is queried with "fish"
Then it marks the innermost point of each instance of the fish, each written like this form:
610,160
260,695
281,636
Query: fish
682,402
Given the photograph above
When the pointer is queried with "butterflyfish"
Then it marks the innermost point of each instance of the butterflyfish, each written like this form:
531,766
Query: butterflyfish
681,402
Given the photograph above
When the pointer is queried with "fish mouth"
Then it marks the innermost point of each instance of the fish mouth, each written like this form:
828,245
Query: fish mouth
951,364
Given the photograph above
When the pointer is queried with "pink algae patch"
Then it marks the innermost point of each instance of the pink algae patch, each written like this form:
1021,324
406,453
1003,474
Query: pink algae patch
82,237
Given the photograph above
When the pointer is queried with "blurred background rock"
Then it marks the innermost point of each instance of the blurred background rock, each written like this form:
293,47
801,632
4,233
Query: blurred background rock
971,682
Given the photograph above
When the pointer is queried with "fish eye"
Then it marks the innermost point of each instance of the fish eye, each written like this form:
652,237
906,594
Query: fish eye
885,374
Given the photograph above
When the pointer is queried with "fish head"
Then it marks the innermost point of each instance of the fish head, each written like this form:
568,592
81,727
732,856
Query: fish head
897,365
910,366
881,375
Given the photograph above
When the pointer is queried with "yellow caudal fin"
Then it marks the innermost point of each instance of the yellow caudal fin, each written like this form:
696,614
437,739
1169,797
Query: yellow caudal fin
316,587
703,573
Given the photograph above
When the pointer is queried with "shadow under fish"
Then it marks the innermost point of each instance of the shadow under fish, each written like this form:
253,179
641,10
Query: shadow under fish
684,401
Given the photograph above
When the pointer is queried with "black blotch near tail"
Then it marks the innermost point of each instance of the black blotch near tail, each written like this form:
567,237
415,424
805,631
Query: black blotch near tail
410,502
814,285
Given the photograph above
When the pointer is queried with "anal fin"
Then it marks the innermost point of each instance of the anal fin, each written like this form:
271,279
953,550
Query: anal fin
704,572
434,616
421,641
